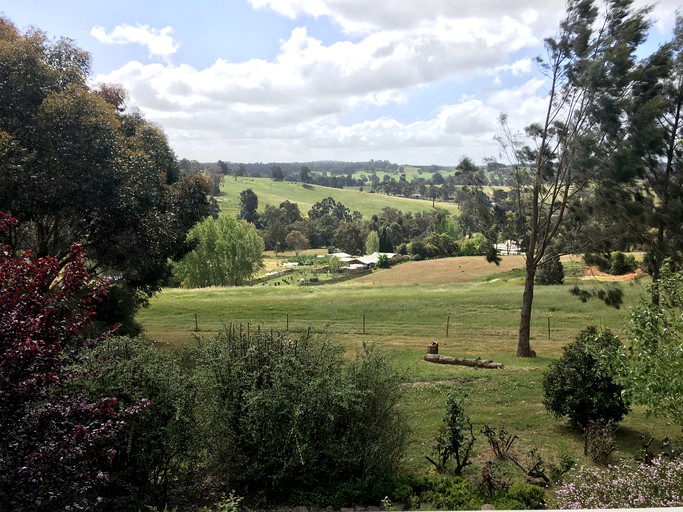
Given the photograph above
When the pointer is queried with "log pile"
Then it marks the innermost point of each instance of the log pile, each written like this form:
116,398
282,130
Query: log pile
477,363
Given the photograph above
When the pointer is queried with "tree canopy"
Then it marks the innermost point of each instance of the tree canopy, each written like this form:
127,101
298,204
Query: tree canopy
589,68
228,253
76,167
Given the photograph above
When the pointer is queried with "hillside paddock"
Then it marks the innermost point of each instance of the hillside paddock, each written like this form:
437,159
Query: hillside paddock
469,307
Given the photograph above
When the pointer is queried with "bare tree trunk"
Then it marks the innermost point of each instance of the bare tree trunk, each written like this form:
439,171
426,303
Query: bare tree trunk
523,341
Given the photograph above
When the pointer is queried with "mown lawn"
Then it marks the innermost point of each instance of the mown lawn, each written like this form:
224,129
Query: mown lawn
470,313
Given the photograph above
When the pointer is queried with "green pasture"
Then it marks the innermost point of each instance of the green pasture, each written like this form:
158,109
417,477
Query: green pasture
476,319
482,312
274,192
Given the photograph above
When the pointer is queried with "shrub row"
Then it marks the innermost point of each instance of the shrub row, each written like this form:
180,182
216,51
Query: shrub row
276,419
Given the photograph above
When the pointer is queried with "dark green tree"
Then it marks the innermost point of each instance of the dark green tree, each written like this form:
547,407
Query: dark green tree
578,387
290,212
550,270
385,244
276,173
248,206
223,167
305,174
642,192
350,237
76,167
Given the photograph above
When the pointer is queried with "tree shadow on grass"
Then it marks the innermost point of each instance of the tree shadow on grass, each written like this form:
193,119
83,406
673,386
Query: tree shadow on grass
629,440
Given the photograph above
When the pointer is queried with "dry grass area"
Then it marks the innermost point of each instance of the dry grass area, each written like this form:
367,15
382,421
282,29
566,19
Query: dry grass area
445,271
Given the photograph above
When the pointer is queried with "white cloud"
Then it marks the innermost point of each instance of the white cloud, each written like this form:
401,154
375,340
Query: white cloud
159,42
296,105
361,16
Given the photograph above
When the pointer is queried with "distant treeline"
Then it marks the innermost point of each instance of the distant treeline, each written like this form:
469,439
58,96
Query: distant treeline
338,174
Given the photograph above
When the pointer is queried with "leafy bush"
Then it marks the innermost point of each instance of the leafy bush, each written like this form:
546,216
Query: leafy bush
418,248
445,492
550,271
650,363
293,419
159,450
442,245
621,264
383,261
574,385
521,496
477,245
55,444
281,419
119,307
625,485
614,263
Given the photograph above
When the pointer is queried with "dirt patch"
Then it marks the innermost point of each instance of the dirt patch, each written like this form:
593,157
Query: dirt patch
447,383
594,273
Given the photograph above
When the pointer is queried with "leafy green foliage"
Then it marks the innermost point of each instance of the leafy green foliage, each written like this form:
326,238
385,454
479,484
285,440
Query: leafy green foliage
297,241
550,270
350,237
372,242
76,168
293,415
383,261
451,494
640,194
576,385
159,451
249,205
522,495
616,263
650,363
228,253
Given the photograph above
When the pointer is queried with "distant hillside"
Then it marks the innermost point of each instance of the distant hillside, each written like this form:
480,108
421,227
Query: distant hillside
444,271
275,192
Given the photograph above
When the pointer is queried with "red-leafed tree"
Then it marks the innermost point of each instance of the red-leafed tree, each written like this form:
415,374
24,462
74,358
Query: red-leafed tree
54,446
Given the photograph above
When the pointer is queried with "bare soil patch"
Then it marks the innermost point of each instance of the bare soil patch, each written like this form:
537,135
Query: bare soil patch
593,273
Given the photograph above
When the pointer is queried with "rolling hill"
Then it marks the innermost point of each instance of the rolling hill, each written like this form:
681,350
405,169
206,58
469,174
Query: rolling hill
274,192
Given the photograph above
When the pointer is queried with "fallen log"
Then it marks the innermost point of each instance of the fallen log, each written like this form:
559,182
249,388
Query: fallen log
477,363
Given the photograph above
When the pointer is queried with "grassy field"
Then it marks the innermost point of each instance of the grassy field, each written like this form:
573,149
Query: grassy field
469,307
275,192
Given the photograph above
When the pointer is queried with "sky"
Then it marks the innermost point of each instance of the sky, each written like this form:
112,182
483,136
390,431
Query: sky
413,82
